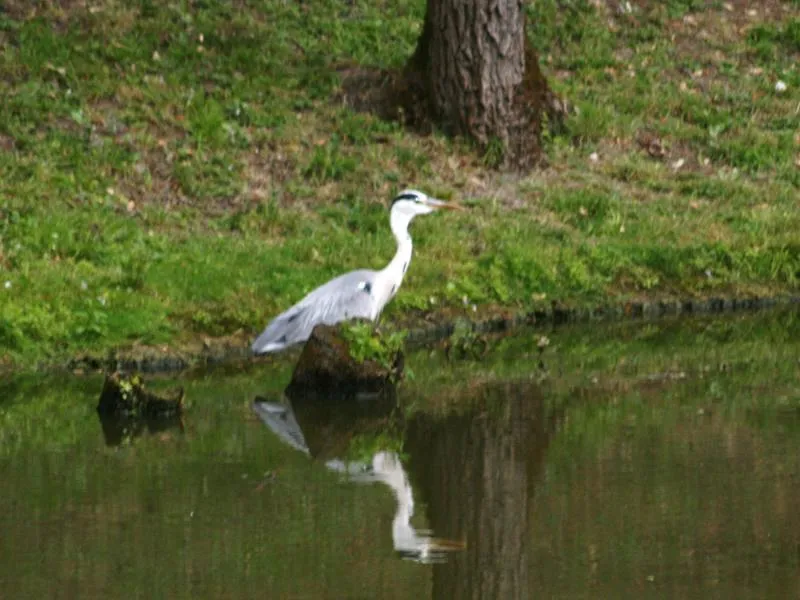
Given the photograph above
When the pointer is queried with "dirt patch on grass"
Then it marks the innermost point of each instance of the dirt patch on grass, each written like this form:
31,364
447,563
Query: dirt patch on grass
699,35
7,143
114,12
266,170
372,91
748,12
677,154
22,10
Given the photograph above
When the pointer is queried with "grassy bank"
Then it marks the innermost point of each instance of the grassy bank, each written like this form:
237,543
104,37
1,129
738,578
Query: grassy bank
180,170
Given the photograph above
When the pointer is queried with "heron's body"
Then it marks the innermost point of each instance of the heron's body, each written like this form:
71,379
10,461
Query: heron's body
358,294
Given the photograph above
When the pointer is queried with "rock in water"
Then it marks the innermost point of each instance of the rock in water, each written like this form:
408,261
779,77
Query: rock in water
327,364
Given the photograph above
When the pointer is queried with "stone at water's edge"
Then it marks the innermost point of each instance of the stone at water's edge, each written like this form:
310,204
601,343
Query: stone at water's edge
325,363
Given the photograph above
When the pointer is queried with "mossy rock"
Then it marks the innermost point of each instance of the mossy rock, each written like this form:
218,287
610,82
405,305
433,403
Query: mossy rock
327,363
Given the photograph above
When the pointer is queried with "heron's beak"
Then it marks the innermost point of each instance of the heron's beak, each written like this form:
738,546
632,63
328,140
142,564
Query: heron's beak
435,203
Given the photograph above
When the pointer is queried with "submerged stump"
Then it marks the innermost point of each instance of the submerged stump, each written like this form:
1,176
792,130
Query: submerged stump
326,363
126,409
125,395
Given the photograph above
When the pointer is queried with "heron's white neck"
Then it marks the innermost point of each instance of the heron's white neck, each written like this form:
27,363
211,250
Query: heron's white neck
398,266
388,469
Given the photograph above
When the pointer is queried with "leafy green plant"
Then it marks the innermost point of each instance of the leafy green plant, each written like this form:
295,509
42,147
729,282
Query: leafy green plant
465,342
494,153
367,344
92,321
767,39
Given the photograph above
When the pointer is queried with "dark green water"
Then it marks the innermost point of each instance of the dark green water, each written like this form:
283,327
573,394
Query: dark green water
643,460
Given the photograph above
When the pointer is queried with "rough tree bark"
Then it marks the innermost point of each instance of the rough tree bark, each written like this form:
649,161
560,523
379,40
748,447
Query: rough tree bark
474,73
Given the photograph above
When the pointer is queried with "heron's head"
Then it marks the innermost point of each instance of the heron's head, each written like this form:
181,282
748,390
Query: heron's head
411,203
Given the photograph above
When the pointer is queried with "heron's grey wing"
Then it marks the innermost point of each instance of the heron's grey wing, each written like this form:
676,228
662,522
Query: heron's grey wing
348,296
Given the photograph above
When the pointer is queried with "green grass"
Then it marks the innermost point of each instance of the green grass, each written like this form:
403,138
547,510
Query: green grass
173,171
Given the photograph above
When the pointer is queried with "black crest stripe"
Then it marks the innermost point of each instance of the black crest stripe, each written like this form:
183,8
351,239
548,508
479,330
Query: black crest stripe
405,197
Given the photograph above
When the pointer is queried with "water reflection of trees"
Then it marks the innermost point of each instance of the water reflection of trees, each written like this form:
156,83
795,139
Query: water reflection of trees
333,429
669,502
476,470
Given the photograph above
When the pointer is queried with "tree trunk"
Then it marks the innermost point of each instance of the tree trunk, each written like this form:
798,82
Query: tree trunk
479,77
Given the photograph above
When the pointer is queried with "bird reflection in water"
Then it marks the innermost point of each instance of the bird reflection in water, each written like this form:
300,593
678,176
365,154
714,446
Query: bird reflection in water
410,543
385,467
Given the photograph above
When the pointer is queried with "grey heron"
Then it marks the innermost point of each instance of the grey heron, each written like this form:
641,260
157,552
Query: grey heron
360,294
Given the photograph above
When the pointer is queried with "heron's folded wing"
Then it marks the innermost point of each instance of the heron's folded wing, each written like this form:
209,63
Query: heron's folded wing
349,296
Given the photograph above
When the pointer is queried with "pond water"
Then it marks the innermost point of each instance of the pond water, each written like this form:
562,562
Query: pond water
626,460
